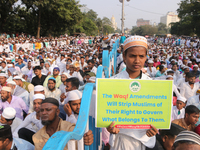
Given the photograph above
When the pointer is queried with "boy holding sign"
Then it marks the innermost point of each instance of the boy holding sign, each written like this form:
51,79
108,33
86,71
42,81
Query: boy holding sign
134,56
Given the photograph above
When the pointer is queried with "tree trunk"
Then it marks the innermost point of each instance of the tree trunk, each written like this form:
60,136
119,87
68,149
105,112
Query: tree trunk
39,18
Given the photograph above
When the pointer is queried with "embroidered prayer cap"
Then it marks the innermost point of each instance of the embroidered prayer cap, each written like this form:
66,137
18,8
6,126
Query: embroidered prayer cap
11,82
67,75
73,95
5,131
38,96
6,88
38,88
106,39
9,113
135,41
188,136
51,100
181,98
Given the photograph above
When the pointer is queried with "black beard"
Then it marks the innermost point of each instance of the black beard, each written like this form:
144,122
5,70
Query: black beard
5,99
51,89
49,122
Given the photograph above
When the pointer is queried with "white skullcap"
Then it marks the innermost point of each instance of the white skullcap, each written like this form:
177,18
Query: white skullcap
92,79
9,65
38,96
17,78
195,66
150,61
181,98
68,76
189,62
186,67
169,76
6,88
8,59
38,88
9,113
3,75
12,82
73,95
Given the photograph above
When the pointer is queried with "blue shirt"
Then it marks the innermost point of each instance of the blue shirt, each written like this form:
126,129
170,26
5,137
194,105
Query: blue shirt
122,39
20,66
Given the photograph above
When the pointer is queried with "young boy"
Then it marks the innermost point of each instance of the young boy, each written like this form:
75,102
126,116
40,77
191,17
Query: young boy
178,111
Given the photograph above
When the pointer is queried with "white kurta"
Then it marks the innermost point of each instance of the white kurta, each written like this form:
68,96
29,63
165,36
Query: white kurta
186,90
153,72
175,113
131,139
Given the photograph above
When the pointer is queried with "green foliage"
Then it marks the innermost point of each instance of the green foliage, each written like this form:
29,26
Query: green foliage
144,30
189,14
5,12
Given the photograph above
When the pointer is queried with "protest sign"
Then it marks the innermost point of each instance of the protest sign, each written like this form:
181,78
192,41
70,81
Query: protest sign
134,104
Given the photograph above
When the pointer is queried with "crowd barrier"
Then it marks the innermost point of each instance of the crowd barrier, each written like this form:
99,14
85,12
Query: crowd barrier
87,110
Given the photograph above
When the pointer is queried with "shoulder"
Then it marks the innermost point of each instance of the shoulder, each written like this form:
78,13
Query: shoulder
176,121
67,126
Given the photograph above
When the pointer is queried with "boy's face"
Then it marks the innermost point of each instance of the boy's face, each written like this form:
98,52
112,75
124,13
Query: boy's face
179,104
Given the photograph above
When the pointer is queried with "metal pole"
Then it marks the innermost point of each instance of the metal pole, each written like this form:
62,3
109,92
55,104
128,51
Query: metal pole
122,16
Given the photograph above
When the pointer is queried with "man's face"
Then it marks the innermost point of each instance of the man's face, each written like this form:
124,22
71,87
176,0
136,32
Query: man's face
75,106
36,105
90,65
19,61
185,146
63,78
174,67
51,85
29,64
179,104
48,112
150,64
187,70
193,118
195,68
3,65
47,65
4,95
191,80
55,72
82,60
17,81
68,86
135,58
2,80
37,72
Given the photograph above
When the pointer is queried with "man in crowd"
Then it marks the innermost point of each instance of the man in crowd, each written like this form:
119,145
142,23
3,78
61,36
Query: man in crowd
52,123
39,77
8,100
190,119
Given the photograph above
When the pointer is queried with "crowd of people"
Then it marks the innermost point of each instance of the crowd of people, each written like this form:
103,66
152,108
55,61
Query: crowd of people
42,80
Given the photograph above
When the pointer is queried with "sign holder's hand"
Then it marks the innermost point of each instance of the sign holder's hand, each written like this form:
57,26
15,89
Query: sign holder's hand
113,130
88,138
151,132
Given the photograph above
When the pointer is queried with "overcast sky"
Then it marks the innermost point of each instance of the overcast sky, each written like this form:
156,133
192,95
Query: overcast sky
147,9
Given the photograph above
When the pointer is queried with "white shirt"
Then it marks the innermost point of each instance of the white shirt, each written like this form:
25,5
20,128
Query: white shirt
94,69
186,90
152,73
55,94
175,113
136,136
31,118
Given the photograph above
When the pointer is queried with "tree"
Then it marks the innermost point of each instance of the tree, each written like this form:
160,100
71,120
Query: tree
144,30
92,15
5,11
188,13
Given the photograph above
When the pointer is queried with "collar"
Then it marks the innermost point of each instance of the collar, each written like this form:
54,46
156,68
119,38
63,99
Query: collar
127,75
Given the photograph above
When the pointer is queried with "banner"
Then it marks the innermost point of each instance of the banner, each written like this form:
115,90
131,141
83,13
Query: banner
134,104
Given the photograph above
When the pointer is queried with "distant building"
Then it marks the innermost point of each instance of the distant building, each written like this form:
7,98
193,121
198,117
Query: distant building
84,9
169,18
141,22
114,23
